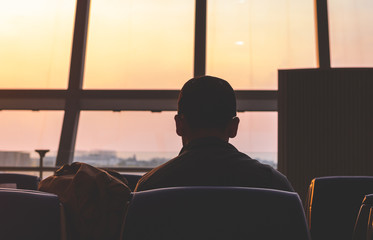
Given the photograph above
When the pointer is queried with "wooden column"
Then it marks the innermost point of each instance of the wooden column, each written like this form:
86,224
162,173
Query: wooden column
325,122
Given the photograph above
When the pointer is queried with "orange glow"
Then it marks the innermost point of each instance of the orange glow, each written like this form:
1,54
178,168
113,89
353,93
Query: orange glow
271,34
29,130
351,35
147,44
142,44
35,43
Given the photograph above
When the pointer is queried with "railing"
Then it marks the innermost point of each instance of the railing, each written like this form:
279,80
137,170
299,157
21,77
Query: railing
41,168
52,169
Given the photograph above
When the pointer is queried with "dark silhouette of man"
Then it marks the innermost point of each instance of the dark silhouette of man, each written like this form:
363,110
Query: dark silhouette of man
206,119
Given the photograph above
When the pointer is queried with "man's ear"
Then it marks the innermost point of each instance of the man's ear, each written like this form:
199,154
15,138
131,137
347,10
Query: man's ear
233,127
180,128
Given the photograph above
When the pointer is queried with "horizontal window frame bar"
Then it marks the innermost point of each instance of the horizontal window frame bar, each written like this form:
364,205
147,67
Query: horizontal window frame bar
123,100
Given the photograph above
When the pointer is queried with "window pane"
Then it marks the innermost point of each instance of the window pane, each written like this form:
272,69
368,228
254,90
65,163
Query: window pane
145,139
24,131
35,43
351,33
249,40
257,136
140,44
118,139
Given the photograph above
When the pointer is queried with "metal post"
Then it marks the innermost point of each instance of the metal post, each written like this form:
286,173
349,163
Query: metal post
42,153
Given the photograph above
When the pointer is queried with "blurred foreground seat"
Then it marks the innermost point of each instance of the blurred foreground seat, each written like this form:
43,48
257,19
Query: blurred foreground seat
333,205
363,227
26,214
215,213
21,181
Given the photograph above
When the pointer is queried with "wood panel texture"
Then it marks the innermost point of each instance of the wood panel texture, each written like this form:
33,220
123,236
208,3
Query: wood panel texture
325,124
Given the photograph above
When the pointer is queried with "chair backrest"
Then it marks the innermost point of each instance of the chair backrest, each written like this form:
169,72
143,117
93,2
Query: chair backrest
132,179
362,222
369,235
26,214
21,181
333,205
215,213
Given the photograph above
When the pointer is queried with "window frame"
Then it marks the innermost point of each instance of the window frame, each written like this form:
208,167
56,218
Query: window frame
76,99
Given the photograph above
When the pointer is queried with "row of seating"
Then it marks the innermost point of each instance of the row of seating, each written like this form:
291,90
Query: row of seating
333,204
228,212
364,223
20,181
24,181
28,214
170,213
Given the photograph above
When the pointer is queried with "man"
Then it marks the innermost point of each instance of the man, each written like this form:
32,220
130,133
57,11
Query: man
206,119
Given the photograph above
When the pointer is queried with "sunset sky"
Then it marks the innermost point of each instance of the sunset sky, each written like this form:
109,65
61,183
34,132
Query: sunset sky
148,44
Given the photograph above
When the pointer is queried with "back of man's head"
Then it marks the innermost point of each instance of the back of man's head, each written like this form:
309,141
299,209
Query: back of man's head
207,102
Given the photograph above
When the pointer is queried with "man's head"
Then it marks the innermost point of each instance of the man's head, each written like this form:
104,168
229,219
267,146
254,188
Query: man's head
206,107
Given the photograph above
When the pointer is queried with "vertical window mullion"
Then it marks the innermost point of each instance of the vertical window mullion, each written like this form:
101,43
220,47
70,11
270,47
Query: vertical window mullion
72,106
322,32
200,38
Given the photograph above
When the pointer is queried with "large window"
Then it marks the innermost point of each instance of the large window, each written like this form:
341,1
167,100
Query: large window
129,58
35,43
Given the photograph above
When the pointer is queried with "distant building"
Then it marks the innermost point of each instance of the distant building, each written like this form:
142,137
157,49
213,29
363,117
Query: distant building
18,159
98,158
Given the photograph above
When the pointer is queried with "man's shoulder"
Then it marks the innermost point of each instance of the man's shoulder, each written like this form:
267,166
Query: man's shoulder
227,167
152,179
259,170
243,160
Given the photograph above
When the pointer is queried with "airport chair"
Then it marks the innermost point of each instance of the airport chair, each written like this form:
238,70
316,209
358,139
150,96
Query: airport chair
20,181
132,179
26,214
363,218
215,213
333,204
